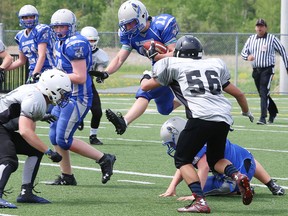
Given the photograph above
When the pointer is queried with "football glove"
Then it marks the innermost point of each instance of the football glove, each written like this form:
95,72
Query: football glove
249,115
146,75
100,75
49,118
151,52
54,156
33,78
2,75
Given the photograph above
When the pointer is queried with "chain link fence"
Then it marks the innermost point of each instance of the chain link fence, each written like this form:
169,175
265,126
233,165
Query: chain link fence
226,46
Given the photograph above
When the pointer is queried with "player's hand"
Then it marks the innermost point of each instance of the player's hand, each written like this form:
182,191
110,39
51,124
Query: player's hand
249,115
100,75
2,75
54,156
49,118
186,198
33,78
151,52
168,193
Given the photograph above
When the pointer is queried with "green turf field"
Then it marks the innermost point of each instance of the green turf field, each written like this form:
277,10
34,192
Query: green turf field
143,170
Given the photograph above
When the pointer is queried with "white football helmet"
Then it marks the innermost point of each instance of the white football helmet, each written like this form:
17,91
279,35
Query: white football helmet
64,17
129,11
170,132
56,85
28,10
92,35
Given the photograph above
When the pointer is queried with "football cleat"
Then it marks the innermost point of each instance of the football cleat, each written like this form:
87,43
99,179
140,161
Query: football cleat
199,205
5,204
117,120
64,179
276,189
243,184
81,126
106,163
26,196
94,140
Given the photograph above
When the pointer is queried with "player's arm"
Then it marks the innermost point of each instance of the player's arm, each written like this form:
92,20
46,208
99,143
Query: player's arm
171,190
149,84
79,74
27,131
19,62
6,59
42,47
117,61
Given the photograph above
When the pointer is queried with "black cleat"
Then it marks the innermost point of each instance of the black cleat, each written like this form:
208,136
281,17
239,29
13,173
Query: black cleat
94,140
262,121
271,119
26,196
64,179
106,163
117,120
276,189
5,204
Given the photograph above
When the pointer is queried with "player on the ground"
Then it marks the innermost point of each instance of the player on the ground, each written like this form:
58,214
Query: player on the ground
216,184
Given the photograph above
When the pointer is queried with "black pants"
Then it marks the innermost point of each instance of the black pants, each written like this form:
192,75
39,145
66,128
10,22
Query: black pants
262,79
196,133
96,109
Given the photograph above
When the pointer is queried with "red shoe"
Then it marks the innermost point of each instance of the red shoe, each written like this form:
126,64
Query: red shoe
199,205
244,188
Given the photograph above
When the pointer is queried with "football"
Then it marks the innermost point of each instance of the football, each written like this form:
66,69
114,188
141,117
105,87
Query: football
160,47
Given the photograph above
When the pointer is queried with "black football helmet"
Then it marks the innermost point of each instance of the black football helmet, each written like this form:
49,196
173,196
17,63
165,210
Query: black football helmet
188,47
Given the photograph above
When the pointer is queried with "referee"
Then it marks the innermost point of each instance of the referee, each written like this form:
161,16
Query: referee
260,50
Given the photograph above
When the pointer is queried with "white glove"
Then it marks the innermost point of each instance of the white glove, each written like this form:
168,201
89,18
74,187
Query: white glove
249,115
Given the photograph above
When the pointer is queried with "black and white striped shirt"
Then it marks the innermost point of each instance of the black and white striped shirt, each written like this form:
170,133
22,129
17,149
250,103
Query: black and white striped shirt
263,49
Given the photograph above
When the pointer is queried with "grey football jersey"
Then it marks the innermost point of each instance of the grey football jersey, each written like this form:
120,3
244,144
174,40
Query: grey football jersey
26,100
198,85
2,46
99,59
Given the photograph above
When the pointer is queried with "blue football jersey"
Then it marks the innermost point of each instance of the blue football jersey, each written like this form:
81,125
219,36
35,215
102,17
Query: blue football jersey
163,28
74,48
28,45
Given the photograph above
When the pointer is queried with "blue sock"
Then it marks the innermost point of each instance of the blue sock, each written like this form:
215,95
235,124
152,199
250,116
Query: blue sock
230,170
195,188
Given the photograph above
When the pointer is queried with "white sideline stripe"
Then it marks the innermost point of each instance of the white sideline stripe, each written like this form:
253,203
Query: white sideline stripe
261,185
7,215
129,172
137,182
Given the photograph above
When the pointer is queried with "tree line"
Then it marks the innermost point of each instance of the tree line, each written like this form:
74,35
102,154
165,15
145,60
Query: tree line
191,15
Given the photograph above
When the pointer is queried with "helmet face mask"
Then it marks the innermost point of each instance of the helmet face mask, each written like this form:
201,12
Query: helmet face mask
28,11
170,132
188,47
56,85
63,17
92,36
132,17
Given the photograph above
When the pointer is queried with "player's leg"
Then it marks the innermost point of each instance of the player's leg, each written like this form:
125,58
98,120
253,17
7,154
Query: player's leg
262,175
96,111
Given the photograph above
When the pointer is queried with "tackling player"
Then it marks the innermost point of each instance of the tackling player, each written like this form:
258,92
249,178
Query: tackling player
19,111
199,84
73,55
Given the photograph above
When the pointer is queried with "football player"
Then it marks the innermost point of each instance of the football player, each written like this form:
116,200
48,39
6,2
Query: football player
73,55
135,28
19,110
100,61
199,84
217,184
6,61
35,44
